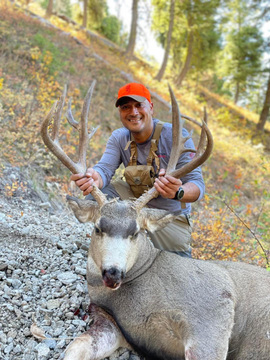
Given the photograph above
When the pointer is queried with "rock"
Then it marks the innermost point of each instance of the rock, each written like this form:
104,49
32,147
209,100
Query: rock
17,349
80,270
26,230
42,349
45,205
53,304
51,343
15,283
3,266
2,217
67,277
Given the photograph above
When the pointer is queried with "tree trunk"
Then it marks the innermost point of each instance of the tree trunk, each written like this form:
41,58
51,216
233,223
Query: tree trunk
85,13
168,43
133,29
49,9
237,91
186,66
265,110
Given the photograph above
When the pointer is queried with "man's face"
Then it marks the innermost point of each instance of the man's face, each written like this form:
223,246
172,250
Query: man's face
137,116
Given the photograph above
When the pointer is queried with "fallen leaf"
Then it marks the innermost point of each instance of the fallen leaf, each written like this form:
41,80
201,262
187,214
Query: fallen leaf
37,332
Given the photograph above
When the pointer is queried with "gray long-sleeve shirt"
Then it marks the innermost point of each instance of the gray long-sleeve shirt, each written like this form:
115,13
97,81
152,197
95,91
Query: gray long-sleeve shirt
115,154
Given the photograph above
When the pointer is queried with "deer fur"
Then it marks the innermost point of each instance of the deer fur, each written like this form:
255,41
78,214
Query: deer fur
165,306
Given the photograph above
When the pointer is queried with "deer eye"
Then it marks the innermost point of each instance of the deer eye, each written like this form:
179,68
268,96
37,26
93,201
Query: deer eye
97,230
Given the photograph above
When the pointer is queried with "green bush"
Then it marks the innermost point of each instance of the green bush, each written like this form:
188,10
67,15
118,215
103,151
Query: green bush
110,28
44,44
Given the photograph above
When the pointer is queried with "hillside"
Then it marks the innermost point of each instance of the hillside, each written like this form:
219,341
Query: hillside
40,239
37,59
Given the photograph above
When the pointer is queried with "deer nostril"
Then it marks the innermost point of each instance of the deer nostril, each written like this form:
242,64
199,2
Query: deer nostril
113,272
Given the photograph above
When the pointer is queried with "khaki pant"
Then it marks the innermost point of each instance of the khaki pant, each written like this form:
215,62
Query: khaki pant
175,237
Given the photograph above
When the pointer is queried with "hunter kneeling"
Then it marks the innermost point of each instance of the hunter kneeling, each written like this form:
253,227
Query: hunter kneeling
144,146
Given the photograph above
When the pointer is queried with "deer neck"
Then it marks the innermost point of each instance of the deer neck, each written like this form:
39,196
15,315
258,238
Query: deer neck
146,257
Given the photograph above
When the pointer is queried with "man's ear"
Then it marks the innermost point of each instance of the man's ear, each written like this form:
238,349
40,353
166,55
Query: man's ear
84,210
152,108
155,219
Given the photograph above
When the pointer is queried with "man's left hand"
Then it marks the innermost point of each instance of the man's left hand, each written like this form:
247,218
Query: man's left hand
167,185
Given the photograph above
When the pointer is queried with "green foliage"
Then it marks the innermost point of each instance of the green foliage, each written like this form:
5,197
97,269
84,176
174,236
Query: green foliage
45,45
110,27
242,54
97,11
245,48
198,17
60,6
217,85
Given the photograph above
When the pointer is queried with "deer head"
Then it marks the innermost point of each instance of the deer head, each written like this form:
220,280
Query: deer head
119,238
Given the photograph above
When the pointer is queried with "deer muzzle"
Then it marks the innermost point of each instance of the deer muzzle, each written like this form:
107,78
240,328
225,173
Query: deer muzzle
112,277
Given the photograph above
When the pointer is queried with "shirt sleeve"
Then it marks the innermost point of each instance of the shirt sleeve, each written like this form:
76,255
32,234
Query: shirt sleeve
195,176
110,161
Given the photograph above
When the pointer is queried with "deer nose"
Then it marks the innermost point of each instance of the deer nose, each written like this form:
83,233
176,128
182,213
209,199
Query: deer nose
113,277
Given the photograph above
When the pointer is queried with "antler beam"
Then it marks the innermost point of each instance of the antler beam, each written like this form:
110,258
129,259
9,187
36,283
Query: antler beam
53,142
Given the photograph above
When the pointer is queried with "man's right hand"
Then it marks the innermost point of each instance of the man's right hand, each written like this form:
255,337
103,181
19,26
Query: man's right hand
86,181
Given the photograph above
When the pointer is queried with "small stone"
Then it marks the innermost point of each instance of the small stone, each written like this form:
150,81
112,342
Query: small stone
3,337
2,217
3,266
42,349
80,270
67,277
15,283
17,349
69,315
45,205
53,304
26,230
78,322
10,307
8,348
51,343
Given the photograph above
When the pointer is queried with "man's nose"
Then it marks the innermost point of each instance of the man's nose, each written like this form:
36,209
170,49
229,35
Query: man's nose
134,111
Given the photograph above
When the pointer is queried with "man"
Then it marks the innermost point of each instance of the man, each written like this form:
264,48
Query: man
143,145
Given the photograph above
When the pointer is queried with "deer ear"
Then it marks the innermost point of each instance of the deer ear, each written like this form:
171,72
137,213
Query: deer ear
84,210
155,219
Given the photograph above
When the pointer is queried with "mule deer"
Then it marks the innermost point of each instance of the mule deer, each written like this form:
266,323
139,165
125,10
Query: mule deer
155,302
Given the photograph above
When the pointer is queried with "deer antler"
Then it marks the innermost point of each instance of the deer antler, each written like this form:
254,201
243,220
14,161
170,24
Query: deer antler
84,137
178,149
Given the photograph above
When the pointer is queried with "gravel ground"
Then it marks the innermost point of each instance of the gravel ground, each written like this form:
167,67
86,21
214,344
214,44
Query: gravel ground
43,255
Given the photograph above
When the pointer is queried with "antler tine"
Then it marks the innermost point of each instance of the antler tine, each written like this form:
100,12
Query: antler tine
84,136
53,142
58,114
202,153
70,117
178,140
178,149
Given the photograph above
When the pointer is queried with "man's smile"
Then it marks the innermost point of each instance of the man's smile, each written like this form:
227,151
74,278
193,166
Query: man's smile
134,120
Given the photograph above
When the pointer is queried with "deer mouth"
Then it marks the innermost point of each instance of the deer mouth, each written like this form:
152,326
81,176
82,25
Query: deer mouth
112,278
113,286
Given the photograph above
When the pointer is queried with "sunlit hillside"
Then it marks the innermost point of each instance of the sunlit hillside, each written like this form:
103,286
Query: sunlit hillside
37,58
